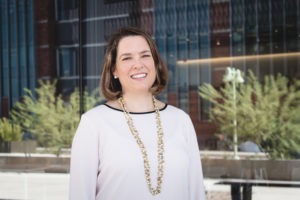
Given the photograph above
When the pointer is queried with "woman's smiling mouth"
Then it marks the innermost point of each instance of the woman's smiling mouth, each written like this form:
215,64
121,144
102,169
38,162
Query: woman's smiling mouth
137,76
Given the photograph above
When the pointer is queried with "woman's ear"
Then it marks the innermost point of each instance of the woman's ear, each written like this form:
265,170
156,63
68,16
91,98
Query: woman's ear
115,74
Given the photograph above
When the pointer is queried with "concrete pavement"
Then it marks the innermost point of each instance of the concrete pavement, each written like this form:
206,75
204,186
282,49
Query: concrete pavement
51,186
34,186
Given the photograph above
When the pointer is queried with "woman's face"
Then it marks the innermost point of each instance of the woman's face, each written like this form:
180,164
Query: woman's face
135,66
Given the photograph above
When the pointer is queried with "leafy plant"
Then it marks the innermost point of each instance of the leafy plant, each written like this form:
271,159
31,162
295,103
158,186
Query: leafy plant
268,113
49,118
9,131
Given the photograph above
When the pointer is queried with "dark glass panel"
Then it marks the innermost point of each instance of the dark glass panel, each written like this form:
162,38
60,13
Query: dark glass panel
182,54
5,49
14,57
22,46
31,44
67,33
291,38
68,62
264,34
66,9
172,49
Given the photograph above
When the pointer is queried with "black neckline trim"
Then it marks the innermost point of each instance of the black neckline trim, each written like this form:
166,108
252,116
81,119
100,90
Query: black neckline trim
136,112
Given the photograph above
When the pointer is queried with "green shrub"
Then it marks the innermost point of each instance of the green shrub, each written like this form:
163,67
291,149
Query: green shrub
268,113
49,118
9,131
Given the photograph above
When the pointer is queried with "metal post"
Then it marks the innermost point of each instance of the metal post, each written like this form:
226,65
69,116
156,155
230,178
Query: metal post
235,139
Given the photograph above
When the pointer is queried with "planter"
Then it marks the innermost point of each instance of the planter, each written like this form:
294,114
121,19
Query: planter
28,146
34,163
287,170
5,147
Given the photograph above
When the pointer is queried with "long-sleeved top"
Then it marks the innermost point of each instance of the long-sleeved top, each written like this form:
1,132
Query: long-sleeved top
107,164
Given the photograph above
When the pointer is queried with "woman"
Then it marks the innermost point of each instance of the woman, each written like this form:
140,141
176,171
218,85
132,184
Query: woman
135,147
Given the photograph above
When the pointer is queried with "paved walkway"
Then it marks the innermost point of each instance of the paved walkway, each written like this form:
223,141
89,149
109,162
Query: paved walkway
34,186
50,186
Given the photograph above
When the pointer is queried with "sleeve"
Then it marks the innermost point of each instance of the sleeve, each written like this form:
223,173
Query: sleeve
84,162
196,186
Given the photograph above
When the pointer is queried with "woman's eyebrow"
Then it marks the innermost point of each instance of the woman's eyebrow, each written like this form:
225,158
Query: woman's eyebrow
145,51
125,54
129,54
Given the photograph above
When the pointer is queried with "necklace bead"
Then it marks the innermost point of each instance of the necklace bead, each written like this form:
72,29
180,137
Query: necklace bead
160,145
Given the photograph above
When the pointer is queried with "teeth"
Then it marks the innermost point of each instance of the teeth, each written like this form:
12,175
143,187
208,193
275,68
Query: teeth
139,76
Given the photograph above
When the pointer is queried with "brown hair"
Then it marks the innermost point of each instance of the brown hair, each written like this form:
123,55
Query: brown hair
111,88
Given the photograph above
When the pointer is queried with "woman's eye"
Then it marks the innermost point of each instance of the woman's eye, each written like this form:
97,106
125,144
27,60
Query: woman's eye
126,58
146,55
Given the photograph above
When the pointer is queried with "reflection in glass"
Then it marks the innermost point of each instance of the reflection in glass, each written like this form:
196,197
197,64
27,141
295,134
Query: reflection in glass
197,39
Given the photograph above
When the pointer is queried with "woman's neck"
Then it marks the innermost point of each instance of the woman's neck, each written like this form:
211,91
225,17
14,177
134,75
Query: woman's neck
138,102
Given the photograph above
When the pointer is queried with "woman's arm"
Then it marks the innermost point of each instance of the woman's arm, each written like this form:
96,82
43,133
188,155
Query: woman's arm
84,162
197,190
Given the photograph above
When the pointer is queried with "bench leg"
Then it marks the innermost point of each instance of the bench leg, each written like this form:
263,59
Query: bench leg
235,191
247,192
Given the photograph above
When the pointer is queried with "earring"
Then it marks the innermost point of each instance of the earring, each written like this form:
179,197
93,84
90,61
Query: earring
115,77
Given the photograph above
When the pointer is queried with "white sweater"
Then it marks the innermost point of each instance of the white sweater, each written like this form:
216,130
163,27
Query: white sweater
106,162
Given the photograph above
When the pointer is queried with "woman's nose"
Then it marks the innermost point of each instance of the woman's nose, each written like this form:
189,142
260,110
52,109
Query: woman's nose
137,62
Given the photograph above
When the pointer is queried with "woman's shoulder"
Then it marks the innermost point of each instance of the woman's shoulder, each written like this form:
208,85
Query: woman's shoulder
176,112
96,112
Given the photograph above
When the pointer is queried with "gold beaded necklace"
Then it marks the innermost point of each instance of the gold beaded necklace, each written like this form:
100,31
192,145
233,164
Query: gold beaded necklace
143,148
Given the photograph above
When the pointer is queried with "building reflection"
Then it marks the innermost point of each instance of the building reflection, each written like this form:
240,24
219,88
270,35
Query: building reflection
198,39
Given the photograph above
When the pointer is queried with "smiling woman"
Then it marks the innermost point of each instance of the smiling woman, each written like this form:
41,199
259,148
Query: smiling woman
135,65
110,86
134,146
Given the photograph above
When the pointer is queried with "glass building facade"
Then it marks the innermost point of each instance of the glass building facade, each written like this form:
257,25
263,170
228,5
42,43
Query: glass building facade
198,39
66,39
17,54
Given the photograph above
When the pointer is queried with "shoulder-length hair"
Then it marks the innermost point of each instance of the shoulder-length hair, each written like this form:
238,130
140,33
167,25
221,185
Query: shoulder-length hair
109,86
